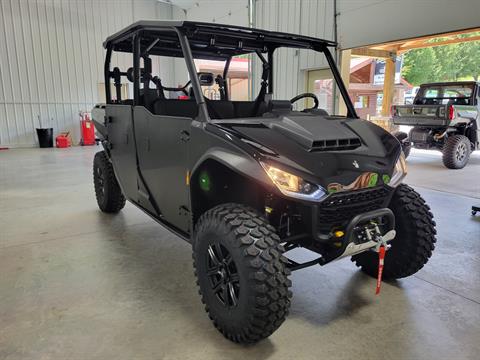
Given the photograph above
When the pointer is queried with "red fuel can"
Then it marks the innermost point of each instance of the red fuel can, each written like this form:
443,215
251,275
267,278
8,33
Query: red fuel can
87,129
63,140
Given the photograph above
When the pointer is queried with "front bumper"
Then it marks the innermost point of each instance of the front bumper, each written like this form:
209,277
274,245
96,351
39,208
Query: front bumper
349,211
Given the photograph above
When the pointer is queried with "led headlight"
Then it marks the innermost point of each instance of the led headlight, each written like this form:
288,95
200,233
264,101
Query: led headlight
399,171
292,185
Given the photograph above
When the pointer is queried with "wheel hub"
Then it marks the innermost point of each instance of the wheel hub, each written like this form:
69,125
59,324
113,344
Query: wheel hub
223,275
461,152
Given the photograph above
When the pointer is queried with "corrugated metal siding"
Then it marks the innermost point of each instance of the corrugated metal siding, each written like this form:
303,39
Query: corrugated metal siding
307,17
51,60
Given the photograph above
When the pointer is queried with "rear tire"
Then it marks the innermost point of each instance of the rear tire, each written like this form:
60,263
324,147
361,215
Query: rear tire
241,272
415,240
107,191
456,152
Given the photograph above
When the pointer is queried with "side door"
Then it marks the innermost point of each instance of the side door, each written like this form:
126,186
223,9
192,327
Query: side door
162,145
123,153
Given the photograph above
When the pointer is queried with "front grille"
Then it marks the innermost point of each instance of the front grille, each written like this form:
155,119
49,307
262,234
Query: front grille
339,208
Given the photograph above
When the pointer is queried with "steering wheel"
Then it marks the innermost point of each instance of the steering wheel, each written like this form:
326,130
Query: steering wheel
306,95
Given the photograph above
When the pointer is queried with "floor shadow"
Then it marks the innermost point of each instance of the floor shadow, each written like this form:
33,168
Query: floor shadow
323,310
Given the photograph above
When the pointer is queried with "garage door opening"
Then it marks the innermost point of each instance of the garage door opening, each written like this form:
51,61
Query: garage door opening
381,75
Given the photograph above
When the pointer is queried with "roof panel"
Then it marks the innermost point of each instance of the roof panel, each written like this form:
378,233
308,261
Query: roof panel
214,41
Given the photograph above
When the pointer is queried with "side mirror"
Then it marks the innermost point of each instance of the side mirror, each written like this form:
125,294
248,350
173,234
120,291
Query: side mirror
130,74
206,79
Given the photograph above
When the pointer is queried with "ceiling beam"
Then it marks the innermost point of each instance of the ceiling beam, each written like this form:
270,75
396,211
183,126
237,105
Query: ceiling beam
388,45
407,47
380,54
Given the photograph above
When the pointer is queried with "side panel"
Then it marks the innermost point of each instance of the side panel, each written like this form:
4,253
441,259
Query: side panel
120,136
162,143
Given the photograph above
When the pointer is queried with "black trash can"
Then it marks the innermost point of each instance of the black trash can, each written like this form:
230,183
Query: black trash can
45,137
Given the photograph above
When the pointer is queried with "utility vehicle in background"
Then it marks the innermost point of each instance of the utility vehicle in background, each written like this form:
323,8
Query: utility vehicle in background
245,182
445,117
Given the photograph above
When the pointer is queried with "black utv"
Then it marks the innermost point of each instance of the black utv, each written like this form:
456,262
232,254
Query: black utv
247,181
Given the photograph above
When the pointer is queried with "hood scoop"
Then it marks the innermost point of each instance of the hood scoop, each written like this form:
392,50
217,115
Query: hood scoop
336,145
316,133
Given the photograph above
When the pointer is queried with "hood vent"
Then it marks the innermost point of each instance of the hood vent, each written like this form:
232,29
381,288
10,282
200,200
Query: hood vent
336,145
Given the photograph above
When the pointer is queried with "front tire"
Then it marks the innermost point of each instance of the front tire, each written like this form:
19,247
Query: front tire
241,273
415,240
107,191
456,152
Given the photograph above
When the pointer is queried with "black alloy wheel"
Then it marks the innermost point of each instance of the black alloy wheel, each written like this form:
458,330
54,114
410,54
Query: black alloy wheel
223,275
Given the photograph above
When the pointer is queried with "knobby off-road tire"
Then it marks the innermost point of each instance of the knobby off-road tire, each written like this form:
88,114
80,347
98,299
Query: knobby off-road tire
415,240
456,152
252,270
107,191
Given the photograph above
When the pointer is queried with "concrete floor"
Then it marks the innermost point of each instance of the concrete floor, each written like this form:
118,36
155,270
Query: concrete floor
79,284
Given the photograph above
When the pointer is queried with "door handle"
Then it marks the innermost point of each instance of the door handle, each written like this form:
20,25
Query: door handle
184,135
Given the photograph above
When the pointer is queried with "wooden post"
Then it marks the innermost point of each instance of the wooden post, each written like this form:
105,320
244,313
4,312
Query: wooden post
388,86
345,73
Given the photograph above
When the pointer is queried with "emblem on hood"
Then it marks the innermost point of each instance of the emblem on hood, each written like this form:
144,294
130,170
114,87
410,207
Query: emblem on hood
355,163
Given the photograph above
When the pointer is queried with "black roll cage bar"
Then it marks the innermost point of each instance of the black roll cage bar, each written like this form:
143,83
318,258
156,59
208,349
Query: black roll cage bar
185,46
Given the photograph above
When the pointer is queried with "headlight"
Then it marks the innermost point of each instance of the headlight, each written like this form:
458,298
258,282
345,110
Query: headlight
292,185
399,171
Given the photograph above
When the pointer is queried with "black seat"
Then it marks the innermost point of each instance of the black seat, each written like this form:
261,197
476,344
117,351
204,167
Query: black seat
148,98
176,107
217,109
246,108
224,109
220,109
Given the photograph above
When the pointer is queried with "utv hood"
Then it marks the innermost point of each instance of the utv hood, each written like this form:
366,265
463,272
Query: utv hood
323,149
316,135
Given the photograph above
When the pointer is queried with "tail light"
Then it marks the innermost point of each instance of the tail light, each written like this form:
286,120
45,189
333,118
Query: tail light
451,112
393,110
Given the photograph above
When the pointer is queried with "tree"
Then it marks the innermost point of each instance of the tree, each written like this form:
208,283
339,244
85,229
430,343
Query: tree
442,63
419,66
472,58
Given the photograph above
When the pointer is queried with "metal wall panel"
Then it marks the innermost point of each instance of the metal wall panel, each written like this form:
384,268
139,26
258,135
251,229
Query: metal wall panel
51,60
360,22
307,17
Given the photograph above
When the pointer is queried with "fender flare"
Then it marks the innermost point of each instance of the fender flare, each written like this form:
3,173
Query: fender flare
243,164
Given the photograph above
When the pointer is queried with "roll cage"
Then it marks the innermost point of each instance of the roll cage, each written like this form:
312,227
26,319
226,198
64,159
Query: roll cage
196,40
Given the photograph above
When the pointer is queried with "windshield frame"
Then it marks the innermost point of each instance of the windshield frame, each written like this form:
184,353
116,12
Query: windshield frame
130,40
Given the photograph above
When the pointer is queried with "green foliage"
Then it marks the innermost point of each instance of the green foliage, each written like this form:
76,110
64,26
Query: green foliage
442,63
419,66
